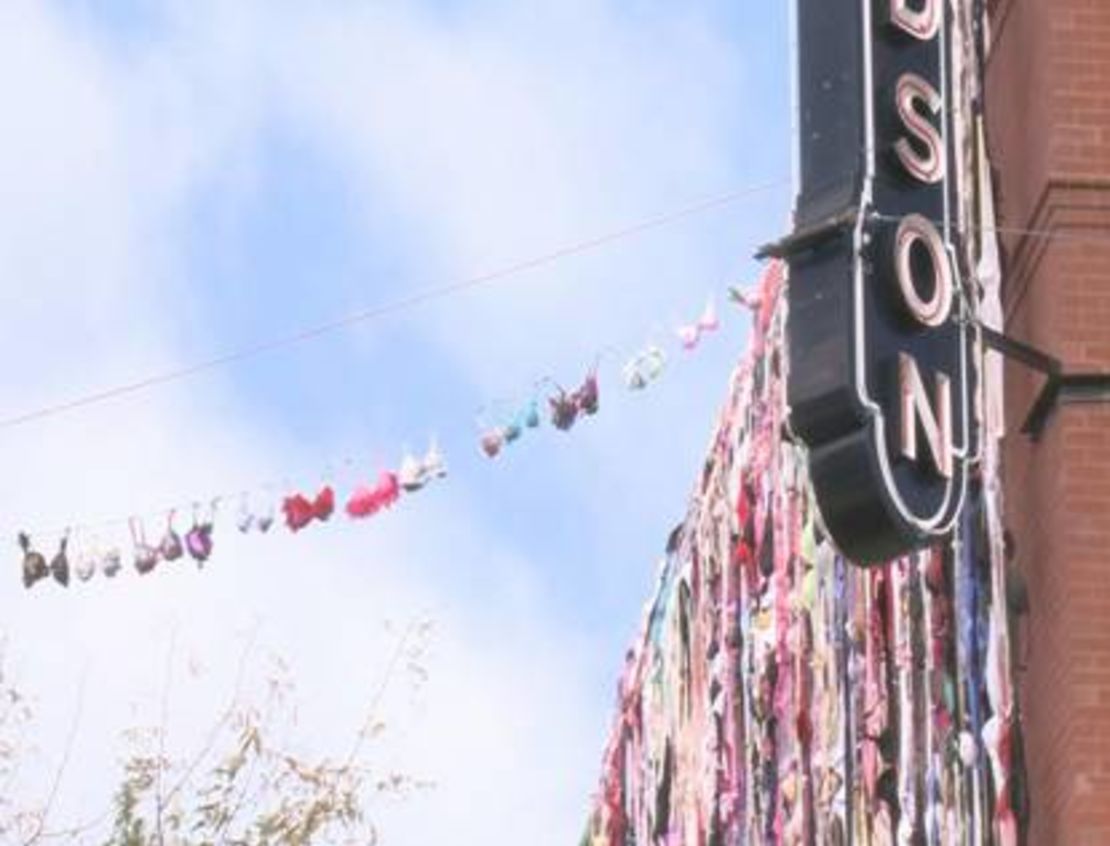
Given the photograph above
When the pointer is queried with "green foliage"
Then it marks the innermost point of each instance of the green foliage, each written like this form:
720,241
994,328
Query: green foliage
249,784
129,828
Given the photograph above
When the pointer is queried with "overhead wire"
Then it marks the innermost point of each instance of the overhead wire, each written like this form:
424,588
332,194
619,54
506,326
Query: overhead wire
268,494
401,304
1092,237
419,298
434,293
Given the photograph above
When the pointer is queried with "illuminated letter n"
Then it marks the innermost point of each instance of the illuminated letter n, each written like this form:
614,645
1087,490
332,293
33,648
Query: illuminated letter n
917,413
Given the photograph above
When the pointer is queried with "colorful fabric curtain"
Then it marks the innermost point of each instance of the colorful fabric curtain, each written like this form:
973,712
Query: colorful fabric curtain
779,694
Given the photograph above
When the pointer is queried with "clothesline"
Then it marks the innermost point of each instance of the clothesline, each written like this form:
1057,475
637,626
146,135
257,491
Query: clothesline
451,289
402,304
256,508
776,693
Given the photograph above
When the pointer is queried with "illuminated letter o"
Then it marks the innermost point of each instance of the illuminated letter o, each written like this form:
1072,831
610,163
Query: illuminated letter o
915,229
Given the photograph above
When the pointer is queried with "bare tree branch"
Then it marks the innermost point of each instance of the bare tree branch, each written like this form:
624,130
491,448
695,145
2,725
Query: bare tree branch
225,718
379,693
78,829
71,738
163,728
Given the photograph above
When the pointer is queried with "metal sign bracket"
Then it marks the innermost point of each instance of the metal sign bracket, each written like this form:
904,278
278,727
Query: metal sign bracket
1060,388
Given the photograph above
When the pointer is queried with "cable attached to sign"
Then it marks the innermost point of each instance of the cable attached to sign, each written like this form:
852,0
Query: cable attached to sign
403,304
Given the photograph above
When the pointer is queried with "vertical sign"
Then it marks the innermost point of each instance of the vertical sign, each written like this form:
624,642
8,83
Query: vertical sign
879,381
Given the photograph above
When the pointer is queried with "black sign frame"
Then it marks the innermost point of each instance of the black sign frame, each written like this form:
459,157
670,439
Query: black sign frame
880,379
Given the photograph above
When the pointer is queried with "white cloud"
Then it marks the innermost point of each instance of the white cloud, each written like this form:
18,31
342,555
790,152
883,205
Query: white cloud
494,136
508,137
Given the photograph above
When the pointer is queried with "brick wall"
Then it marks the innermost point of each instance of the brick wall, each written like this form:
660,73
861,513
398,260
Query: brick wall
1048,112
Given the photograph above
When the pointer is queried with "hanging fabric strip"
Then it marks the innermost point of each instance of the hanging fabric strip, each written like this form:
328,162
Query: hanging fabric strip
779,694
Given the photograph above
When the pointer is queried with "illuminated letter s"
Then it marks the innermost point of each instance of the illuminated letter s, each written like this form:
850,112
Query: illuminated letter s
928,167
923,24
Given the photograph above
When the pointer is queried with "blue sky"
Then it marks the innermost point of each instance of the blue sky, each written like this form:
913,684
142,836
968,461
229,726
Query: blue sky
189,177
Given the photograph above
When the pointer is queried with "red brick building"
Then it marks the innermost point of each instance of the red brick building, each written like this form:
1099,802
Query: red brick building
1048,113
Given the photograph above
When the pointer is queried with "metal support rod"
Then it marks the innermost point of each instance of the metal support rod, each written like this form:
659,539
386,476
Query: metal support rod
1065,389
809,236
1059,389
1028,355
